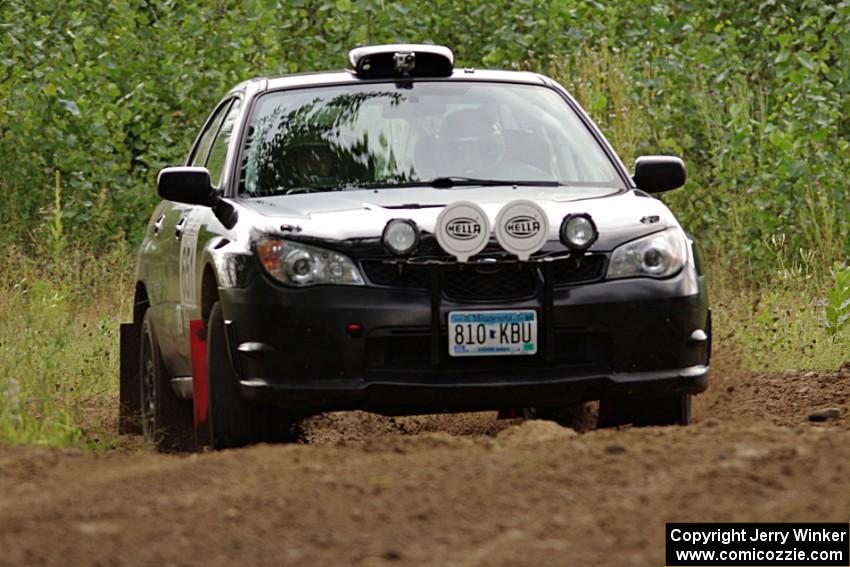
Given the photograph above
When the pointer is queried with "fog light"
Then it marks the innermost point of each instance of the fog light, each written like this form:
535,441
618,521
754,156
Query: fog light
578,231
401,236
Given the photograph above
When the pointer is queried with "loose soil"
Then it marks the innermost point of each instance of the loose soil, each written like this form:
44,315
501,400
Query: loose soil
442,490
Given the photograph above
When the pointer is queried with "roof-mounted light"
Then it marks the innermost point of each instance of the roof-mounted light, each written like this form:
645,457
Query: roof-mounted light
401,60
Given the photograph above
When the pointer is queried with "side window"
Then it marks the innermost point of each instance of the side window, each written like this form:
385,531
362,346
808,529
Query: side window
199,157
215,163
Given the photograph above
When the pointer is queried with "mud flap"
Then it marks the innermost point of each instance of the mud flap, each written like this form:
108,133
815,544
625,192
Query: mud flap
200,382
129,397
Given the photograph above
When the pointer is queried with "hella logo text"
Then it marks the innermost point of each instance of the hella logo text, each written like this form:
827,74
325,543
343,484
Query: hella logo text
463,228
522,226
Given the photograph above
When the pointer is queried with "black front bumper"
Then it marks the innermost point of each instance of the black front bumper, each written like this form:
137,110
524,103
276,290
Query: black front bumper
540,388
627,338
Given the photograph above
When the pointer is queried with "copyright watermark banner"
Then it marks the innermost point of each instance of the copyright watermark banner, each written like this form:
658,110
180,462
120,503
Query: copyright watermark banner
758,545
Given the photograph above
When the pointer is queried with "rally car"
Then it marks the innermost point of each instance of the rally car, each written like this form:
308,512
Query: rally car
405,237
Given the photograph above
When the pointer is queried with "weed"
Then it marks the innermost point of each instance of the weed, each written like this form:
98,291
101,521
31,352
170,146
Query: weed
59,348
777,324
837,307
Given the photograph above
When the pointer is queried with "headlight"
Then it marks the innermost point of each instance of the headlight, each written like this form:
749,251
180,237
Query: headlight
298,264
658,255
401,236
578,231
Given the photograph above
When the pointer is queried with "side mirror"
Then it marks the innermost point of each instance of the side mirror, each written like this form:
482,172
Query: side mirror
656,174
189,185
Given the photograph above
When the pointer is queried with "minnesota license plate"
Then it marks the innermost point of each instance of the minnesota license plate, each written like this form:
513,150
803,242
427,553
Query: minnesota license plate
490,333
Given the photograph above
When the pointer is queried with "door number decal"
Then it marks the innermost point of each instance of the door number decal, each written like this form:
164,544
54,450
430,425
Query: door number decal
188,255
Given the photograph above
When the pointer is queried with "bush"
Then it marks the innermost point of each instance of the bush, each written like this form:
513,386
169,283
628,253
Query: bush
97,96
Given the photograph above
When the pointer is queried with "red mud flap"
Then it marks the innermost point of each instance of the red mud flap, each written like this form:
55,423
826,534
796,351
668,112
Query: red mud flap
200,382
129,388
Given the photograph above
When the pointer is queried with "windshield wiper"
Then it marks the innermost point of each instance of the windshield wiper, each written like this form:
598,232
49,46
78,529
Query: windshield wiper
459,181
448,182
315,189
304,189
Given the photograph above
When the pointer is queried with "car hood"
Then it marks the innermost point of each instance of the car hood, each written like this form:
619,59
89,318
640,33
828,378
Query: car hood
620,215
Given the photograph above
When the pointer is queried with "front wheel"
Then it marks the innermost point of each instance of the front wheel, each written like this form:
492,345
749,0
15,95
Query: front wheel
667,410
580,416
234,422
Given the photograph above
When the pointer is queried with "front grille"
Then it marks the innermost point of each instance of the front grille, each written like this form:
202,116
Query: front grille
396,275
492,282
578,269
487,282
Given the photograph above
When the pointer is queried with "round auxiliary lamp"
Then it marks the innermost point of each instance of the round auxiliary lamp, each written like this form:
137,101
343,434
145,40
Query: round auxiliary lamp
522,228
401,237
578,231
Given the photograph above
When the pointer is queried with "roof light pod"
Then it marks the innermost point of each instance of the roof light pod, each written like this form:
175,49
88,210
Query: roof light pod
578,231
401,60
401,237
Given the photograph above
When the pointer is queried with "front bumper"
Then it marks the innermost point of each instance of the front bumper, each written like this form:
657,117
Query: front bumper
625,338
531,388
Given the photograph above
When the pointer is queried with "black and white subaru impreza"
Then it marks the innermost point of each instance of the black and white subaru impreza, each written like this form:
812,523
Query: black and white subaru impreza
405,237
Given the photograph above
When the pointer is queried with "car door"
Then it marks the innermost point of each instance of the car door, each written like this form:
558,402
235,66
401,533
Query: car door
171,328
193,232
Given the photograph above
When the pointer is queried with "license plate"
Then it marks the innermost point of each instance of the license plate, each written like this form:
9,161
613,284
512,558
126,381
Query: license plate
492,333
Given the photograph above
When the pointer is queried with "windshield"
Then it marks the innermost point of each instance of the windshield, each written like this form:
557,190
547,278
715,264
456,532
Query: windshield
384,135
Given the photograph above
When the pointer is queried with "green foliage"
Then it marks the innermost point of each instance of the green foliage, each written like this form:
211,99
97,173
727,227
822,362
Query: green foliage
776,327
59,347
837,308
753,95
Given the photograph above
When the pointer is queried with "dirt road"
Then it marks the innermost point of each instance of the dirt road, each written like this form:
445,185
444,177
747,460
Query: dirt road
449,490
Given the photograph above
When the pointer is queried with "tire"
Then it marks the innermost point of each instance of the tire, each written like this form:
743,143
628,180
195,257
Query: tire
668,410
234,422
580,416
166,420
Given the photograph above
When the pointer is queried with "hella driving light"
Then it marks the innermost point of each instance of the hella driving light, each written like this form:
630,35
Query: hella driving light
578,231
297,264
658,255
401,236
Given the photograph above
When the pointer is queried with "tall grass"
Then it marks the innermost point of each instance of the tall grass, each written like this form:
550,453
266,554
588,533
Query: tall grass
59,346
781,325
